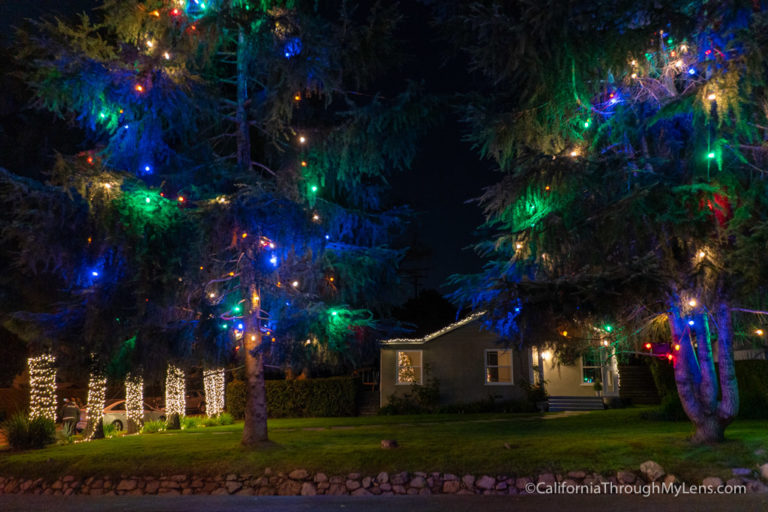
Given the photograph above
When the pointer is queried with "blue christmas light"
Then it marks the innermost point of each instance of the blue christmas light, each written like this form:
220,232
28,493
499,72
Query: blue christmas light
327,237
292,47
690,322
691,71
240,326
273,260
95,274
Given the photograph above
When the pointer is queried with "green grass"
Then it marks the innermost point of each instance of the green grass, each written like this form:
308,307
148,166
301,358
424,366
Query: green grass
602,441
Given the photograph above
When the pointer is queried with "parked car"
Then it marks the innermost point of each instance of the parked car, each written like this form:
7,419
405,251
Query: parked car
114,414
196,402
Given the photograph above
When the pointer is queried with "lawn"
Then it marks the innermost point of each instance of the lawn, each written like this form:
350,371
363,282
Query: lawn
602,441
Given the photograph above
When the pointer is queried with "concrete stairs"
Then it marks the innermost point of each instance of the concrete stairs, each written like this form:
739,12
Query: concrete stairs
575,403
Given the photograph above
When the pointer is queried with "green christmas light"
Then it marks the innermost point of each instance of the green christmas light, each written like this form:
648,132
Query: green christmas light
587,123
711,155
608,328
313,188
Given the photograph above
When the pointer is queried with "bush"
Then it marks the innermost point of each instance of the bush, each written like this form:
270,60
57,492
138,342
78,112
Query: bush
235,399
174,422
190,422
109,430
753,389
212,422
225,419
334,396
421,400
152,427
24,434
752,377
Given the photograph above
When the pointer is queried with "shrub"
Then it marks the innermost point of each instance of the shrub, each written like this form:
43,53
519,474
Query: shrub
420,400
190,422
109,430
225,419
212,422
752,377
152,427
334,396
236,399
67,433
23,433
174,422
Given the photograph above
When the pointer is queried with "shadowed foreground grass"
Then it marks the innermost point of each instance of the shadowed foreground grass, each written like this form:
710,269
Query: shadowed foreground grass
601,441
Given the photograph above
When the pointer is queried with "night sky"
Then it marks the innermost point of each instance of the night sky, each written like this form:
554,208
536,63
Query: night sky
445,174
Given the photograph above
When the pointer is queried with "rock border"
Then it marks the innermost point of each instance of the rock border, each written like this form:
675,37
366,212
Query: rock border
301,482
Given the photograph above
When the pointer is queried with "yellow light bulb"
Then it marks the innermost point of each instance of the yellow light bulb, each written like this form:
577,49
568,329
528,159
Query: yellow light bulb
759,332
295,284
692,303
302,139
712,96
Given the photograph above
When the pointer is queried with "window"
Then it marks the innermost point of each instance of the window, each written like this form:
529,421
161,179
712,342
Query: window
498,367
591,369
409,367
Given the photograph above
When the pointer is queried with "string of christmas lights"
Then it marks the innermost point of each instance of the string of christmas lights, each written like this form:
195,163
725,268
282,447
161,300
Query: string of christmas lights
213,382
175,391
97,394
42,387
134,398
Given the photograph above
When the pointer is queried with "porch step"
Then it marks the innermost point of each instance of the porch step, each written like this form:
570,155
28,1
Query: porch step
575,403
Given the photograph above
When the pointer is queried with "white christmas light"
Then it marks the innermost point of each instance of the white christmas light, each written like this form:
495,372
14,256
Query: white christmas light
175,391
134,398
213,381
94,410
42,387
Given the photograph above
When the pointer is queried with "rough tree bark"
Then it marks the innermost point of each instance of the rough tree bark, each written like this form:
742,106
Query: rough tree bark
255,428
695,376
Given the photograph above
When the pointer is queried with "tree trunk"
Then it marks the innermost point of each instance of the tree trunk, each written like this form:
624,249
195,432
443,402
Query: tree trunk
695,377
255,428
241,113
709,429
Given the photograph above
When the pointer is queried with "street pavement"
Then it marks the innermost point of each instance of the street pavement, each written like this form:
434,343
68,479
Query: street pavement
532,503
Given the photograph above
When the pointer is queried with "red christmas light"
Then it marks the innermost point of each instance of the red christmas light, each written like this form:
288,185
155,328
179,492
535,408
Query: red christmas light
648,346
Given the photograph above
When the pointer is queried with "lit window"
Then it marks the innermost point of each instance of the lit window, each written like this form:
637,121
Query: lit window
591,369
498,367
409,367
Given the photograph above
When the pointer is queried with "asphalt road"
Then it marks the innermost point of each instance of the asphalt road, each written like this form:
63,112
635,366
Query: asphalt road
699,503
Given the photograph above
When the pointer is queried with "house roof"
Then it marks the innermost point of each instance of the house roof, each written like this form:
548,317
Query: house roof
436,334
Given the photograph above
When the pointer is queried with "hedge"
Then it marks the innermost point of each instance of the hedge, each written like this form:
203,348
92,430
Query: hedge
751,375
334,396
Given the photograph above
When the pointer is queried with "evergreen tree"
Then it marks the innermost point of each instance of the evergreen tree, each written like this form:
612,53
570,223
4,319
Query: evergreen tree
631,138
234,195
